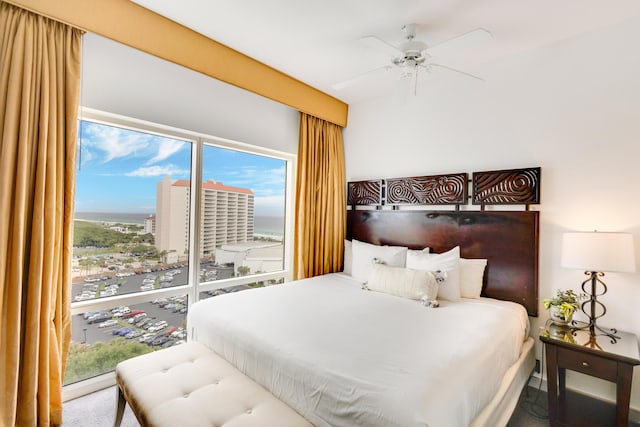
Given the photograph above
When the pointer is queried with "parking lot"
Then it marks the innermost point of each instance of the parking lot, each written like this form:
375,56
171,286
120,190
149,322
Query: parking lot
91,333
101,329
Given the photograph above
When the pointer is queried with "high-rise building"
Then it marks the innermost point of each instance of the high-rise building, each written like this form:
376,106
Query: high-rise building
227,216
150,225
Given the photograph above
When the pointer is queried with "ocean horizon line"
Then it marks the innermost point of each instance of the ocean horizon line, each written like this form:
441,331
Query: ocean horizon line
264,225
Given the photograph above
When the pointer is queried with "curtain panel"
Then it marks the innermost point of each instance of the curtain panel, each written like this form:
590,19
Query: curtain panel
320,215
39,88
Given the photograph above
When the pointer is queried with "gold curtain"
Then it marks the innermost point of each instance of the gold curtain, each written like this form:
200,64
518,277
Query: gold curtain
39,88
320,218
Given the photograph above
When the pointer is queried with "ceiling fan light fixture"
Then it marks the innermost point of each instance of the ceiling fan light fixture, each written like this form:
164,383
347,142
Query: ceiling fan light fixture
408,61
413,54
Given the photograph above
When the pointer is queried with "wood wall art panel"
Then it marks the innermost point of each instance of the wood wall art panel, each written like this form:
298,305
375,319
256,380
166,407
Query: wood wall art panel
428,190
507,187
364,193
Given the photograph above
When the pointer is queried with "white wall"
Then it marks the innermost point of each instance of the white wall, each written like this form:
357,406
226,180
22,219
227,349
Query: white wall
571,108
120,80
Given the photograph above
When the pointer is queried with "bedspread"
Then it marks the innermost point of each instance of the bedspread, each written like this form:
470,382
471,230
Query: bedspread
343,356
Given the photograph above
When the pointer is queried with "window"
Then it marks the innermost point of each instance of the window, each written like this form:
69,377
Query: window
139,213
243,214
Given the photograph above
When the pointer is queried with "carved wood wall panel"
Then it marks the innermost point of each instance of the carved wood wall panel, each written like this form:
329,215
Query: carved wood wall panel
501,187
507,187
428,190
364,193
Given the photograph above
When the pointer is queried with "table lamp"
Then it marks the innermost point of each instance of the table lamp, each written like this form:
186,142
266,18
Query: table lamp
597,252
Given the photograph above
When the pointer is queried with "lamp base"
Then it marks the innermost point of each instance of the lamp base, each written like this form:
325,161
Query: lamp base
594,279
611,333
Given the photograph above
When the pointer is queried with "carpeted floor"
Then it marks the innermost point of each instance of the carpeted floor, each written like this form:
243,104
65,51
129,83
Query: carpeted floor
95,410
98,410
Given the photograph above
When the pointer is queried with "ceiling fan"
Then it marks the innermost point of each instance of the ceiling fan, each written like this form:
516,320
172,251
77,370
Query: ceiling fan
413,56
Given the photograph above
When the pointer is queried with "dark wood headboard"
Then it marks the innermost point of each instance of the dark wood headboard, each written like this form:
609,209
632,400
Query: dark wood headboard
507,239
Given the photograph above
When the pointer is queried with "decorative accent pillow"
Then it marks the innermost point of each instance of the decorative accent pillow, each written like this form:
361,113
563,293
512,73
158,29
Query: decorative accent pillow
447,262
363,254
419,251
347,257
403,282
471,275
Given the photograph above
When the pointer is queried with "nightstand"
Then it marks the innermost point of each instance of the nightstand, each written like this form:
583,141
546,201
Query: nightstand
596,356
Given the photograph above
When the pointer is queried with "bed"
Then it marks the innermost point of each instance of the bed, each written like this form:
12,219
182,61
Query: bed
341,354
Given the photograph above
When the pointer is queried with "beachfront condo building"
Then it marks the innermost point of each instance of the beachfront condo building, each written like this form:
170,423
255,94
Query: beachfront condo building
150,225
227,216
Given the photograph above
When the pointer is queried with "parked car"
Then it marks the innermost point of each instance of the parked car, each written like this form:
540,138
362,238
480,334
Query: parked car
137,317
179,334
98,318
107,323
146,337
158,326
116,331
134,334
121,309
159,340
146,321
133,313
124,331
121,313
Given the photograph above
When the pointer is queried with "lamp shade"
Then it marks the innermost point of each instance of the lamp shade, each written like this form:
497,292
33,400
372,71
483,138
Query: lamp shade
596,251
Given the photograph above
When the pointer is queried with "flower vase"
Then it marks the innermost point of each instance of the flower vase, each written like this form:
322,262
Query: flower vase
557,317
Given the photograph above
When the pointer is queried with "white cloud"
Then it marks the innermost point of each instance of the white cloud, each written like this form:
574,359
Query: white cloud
153,171
263,182
166,149
118,143
115,142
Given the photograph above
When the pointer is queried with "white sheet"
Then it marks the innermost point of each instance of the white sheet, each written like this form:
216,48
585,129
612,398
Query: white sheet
342,356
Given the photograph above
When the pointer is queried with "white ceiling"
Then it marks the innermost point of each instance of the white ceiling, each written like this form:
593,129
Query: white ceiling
318,42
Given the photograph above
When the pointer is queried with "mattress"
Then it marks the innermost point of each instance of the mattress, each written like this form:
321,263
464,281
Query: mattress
343,356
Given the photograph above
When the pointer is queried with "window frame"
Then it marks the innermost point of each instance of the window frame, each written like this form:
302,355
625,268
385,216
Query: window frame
194,286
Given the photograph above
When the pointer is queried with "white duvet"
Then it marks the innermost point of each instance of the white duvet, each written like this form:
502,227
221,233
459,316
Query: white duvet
343,356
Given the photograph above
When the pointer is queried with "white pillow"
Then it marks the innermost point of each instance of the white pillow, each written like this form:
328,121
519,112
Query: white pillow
403,282
347,257
447,262
471,275
419,251
363,254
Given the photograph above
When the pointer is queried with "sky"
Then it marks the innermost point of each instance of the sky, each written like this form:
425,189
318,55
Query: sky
118,170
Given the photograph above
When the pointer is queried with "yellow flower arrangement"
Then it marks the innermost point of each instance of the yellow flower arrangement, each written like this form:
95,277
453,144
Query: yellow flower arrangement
566,301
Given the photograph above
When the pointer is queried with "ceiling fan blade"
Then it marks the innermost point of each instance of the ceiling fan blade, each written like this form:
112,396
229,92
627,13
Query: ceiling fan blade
456,70
379,44
346,83
460,42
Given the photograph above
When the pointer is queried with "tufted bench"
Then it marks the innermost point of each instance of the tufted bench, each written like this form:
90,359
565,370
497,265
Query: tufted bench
189,385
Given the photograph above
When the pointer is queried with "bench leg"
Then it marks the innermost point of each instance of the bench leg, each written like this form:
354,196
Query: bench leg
119,408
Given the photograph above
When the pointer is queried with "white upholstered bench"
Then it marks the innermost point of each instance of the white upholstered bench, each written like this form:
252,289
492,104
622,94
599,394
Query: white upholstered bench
189,385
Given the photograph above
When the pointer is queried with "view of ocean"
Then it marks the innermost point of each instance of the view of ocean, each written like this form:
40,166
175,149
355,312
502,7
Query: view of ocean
263,225
269,226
